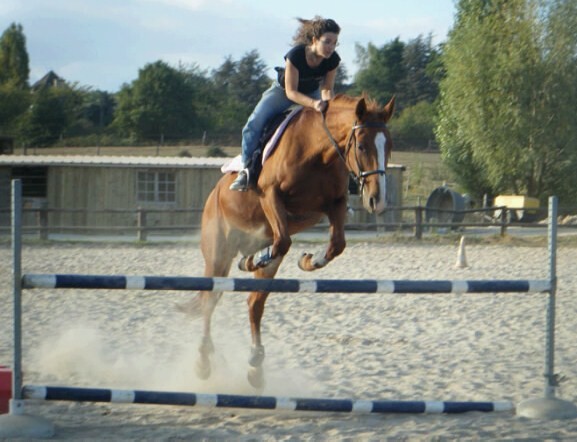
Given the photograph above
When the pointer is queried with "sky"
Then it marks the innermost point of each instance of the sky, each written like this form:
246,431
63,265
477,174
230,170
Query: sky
102,44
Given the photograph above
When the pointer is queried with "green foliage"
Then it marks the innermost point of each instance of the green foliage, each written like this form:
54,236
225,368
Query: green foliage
13,103
156,104
506,120
51,112
415,125
381,70
238,86
419,82
14,69
410,71
216,152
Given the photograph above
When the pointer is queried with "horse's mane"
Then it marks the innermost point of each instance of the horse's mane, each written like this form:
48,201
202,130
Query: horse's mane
343,100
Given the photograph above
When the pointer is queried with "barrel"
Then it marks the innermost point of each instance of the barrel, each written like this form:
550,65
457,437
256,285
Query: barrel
444,205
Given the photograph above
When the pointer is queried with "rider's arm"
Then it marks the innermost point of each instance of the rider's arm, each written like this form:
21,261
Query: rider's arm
291,88
328,85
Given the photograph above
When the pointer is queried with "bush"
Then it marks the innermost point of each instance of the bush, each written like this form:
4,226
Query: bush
215,151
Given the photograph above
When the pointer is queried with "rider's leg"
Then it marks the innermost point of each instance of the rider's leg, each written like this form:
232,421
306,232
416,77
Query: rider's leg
272,103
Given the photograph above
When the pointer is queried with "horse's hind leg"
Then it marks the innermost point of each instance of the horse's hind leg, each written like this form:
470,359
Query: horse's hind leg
208,302
218,257
256,302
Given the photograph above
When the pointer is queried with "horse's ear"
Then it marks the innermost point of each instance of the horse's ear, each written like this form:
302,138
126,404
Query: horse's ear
361,109
389,109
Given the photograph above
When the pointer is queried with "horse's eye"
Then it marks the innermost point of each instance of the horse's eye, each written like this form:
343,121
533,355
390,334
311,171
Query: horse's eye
361,147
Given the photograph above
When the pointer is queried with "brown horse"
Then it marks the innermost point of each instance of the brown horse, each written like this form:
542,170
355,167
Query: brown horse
304,179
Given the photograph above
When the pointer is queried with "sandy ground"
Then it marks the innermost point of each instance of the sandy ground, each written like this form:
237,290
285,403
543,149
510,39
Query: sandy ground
407,347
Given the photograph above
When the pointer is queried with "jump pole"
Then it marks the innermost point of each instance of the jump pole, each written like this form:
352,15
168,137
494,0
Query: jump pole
74,394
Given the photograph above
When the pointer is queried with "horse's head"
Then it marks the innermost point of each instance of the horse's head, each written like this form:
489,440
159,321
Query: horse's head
368,149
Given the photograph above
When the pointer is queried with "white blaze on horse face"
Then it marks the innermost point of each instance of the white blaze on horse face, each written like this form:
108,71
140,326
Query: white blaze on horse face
381,145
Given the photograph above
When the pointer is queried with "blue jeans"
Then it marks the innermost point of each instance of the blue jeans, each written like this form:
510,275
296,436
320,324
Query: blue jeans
272,103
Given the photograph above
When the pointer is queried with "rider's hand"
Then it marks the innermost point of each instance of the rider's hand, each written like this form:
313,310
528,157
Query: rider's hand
320,105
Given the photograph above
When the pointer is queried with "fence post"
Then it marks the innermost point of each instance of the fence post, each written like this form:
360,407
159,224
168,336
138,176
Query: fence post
419,222
42,217
504,213
141,224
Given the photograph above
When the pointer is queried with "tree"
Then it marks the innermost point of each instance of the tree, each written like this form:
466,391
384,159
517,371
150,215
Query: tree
381,70
249,80
414,127
238,87
158,104
507,122
419,83
13,103
98,108
14,68
52,111
341,79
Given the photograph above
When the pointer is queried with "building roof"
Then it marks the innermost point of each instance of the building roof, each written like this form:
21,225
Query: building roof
123,161
51,79
111,161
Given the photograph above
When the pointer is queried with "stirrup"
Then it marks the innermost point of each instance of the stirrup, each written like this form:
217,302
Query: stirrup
241,182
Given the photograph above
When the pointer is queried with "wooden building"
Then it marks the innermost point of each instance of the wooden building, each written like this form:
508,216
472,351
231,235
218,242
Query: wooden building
102,192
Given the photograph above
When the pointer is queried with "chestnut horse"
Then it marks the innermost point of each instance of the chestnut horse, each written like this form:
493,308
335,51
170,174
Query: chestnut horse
304,179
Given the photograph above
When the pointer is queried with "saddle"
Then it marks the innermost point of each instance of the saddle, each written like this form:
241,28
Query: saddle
267,143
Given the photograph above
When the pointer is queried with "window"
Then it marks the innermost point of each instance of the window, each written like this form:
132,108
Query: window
156,187
34,180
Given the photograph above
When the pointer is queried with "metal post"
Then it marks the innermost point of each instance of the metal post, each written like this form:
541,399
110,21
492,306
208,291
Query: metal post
17,424
551,381
17,287
550,407
141,234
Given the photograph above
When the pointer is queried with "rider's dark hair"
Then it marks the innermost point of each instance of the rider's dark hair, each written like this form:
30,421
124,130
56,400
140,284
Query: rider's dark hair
314,28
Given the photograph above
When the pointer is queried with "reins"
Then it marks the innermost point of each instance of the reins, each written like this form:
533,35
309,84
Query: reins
360,178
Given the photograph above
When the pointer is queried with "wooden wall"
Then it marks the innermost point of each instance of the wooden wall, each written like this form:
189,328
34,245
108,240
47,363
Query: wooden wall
99,188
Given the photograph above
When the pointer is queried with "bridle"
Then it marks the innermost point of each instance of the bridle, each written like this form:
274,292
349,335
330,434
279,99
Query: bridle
361,176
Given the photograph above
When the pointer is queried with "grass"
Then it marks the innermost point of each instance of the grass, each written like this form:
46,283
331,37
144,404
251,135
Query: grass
424,170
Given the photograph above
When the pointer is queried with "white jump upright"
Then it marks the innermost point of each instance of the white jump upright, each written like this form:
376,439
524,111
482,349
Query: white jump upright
18,424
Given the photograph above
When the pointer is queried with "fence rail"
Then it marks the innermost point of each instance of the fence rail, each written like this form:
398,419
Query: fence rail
418,219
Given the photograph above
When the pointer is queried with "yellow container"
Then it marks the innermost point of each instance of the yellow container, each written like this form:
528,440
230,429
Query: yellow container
522,208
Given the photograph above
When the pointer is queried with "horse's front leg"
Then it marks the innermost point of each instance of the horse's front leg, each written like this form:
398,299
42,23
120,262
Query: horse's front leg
256,302
276,215
337,242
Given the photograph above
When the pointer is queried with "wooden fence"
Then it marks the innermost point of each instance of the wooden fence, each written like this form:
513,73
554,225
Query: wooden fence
415,219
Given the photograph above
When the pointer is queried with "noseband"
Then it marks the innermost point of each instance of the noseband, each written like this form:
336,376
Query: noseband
361,176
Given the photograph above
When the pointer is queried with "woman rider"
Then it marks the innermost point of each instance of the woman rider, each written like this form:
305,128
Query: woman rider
308,79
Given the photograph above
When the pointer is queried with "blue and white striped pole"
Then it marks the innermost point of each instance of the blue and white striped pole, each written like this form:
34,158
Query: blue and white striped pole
123,282
49,393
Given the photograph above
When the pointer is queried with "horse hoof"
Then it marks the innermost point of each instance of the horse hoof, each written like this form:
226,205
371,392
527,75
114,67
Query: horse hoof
304,262
255,378
256,356
243,264
202,369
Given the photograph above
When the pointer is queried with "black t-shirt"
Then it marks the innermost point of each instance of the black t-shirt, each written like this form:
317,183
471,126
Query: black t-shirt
309,78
